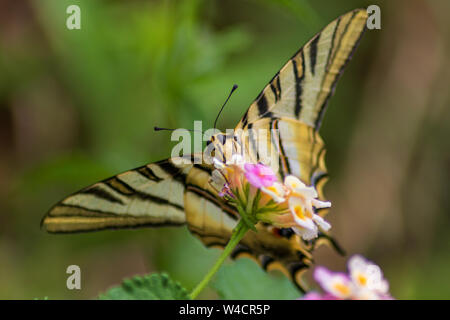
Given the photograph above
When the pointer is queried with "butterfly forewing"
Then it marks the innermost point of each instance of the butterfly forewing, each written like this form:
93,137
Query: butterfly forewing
302,88
149,195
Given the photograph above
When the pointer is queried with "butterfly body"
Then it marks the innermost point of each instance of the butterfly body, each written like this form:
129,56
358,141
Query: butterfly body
280,129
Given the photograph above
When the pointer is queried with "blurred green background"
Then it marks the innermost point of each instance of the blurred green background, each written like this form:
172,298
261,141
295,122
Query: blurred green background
77,106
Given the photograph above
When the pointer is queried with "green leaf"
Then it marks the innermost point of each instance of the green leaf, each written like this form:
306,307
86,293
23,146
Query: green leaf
244,279
149,287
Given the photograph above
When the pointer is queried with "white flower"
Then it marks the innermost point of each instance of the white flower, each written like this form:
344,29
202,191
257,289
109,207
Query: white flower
302,217
364,281
321,222
306,234
296,186
276,191
301,205
309,194
367,277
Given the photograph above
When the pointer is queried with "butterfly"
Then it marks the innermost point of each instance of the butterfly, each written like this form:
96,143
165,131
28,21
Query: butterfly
172,193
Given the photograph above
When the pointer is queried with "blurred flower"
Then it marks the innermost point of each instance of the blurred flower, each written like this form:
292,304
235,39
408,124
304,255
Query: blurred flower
364,281
367,277
317,296
336,284
259,196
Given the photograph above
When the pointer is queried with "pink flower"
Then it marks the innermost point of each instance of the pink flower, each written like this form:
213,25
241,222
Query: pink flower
337,284
317,296
312,296
259,175
226,191
364,281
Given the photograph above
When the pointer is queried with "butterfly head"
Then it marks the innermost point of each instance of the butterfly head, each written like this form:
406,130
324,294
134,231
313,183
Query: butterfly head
223,145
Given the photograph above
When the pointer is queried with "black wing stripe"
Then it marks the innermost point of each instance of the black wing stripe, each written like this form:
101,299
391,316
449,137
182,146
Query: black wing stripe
252,141
266,261
245,119
333,86
207,169
118,186
298,83
333,38
155,199
274,91
313,53
286,232
99,193
278,86
207,195
263,106
80,211
240,249
172,170
148,173
282,154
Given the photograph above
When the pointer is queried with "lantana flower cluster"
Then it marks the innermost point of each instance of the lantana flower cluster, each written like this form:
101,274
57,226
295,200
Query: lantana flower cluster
260,196
364,281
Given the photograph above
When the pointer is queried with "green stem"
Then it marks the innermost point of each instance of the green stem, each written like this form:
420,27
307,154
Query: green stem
238,233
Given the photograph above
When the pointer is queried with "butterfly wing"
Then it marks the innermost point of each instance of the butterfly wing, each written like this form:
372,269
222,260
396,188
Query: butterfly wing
302,88
150,195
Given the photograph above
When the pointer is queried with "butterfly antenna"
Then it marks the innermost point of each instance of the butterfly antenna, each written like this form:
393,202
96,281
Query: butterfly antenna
162,129
231,92
168,129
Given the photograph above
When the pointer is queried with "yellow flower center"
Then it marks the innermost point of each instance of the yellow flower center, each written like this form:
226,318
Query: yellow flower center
302,214
299,212
362,279
342,288
274,190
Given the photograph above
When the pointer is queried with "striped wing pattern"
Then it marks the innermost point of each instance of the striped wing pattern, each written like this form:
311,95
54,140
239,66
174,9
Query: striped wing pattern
302,88
151,195
294,148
